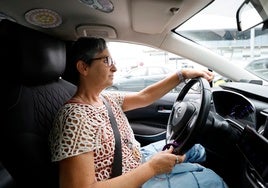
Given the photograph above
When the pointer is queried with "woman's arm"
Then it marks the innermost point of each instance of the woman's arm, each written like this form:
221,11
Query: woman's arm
78,172
155,91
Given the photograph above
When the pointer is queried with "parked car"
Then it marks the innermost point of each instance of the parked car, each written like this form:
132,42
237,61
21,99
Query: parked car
230,119
138,78
259,67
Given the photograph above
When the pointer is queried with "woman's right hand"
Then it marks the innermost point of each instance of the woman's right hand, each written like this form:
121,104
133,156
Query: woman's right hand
164,161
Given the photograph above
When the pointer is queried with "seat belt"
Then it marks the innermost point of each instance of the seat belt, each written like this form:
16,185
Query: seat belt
117,164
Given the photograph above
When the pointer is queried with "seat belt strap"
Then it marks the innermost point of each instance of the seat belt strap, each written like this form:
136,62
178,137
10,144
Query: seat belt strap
117,164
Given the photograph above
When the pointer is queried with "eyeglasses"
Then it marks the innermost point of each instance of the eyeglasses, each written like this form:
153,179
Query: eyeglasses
107,60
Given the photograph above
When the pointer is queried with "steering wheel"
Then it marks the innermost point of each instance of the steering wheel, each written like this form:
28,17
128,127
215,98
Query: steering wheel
188,115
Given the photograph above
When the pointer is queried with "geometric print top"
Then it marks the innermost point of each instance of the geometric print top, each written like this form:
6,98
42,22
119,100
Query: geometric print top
79,128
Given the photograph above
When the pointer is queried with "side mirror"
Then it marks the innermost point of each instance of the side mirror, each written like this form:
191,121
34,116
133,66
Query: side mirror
251,14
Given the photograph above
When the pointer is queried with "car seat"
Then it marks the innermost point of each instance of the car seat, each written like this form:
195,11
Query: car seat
35,91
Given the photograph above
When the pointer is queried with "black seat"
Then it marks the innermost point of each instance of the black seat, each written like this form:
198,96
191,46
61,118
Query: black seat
34,61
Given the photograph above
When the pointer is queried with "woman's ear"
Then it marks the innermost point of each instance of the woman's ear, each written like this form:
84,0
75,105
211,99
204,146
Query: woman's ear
82,67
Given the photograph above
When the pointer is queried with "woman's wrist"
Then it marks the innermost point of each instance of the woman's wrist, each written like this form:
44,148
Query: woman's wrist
180,76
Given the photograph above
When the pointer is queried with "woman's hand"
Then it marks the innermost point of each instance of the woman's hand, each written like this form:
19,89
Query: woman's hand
192,73
164,161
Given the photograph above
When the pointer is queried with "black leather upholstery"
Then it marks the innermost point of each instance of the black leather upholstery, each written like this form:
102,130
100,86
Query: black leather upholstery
35,92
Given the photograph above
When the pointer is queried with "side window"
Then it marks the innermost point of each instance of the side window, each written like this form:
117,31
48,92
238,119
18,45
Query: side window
258,65
155,71
137,72
139,66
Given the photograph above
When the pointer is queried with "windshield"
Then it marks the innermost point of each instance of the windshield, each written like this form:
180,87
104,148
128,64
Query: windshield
215,28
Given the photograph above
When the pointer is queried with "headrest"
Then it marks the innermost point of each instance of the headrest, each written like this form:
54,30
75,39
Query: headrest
36,57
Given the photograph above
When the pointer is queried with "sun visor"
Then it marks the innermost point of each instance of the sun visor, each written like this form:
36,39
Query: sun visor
157,18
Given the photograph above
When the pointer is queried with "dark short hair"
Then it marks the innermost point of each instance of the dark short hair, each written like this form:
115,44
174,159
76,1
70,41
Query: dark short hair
85,49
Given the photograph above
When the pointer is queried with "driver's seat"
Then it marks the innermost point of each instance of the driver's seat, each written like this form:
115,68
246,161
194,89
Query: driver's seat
35,92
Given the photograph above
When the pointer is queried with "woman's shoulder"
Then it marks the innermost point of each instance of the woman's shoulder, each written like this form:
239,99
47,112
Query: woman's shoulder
71,108
114,96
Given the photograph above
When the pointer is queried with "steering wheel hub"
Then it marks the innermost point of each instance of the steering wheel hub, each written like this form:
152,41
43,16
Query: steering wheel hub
188,116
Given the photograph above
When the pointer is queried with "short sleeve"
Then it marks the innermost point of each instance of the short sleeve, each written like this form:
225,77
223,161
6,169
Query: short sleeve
115,97
72,133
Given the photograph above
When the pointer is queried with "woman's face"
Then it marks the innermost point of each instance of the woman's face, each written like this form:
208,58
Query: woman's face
102,69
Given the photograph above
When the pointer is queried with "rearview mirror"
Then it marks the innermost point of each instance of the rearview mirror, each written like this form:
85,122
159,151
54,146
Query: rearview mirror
251,14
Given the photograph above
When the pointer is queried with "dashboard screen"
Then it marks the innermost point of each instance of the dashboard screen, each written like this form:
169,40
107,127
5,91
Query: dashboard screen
234,106
242,111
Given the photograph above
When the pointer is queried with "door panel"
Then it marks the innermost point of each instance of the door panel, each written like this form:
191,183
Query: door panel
149,123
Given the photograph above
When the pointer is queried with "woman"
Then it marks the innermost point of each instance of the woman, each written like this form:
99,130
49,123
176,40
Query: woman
82,138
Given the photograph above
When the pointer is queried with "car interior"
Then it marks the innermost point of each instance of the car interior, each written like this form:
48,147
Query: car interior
234,131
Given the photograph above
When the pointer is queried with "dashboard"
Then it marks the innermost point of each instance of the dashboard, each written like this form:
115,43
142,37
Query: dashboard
235,107
243,110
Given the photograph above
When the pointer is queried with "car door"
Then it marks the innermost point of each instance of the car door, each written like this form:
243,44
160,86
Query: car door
149,123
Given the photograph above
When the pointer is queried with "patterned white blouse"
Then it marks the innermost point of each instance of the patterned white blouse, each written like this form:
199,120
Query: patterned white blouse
80,128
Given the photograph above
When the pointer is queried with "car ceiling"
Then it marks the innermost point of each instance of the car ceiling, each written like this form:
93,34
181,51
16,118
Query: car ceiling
148,22
142,21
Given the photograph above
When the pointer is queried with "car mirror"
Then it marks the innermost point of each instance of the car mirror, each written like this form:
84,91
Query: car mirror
251,13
